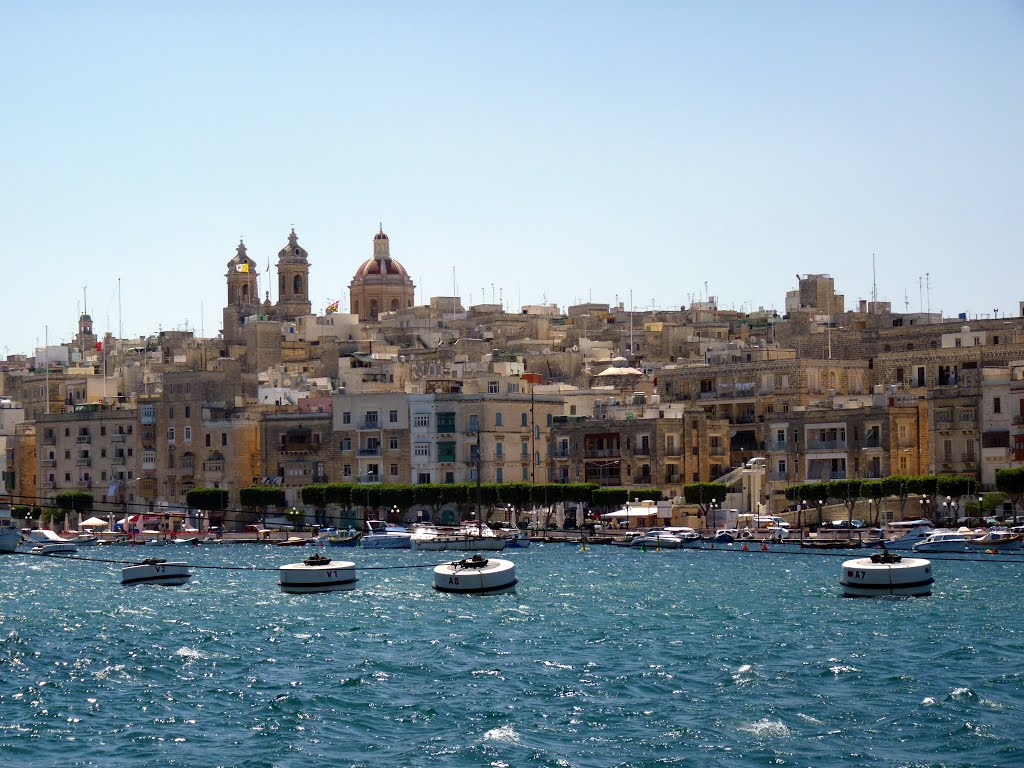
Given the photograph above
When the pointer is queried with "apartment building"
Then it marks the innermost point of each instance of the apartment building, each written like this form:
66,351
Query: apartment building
371,433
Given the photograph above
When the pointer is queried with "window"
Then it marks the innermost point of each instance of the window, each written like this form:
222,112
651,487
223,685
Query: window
67,454
170,434
446,451
346,443
207,440
170,412
394,470
223,438
525,452
499,475
188,411
422,449
449,477
103,430
497,419
492,387
499,450
421,420
474,423
446,422
393,443
997,406
346,417
525,420
782,466
188,434
372,419
526,472
551,420
347,470
392,417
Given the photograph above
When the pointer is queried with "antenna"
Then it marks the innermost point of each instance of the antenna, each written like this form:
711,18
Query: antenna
928,290
874,281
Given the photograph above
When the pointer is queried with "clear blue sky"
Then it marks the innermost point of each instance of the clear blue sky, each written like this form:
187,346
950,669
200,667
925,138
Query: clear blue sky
559,150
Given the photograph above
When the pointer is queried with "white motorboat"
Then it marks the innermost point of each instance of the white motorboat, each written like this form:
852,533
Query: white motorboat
942,541
380,535
420,532
57,548
659,538
907,541
154,570
85,540
45,536
10,535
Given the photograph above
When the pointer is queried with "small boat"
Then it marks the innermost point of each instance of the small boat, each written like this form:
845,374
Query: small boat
471,537
381,535
57,548
999,539
45,536
10,535
886,574
659,538
351,540
155,570
475,575
724,536
830,544
515,537
943,541
420,532
85,540
317,574
291,541
194,540
906,542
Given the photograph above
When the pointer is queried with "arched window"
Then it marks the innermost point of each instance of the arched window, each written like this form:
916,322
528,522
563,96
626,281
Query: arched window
282,285
394,305
245,293
373,308
297,283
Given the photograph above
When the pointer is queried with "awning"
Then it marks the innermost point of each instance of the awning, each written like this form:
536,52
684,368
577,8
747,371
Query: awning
94,522
632,513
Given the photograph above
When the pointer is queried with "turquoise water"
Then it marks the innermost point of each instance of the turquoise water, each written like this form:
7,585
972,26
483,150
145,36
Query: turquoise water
608,657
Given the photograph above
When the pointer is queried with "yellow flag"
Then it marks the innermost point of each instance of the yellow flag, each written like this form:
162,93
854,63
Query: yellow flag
243,267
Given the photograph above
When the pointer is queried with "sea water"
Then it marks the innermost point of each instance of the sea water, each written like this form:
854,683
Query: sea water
604,657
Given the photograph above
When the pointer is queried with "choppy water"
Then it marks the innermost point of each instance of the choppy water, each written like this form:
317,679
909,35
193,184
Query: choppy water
607,657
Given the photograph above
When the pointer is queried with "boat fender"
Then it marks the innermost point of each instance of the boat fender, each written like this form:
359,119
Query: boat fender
746,548
764,547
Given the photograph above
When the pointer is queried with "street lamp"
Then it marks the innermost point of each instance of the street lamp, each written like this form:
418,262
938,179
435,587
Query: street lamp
871,503
394,513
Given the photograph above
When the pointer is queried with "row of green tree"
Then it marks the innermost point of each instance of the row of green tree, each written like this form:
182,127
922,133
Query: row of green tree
934,488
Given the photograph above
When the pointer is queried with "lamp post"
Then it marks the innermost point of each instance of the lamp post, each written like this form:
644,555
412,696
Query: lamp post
821,505
395,511
871,503
921,516
712,515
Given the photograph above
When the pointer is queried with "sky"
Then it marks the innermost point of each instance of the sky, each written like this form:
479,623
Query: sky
538,151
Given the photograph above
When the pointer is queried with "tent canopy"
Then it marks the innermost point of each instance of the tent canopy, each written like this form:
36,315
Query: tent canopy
94,522
631,513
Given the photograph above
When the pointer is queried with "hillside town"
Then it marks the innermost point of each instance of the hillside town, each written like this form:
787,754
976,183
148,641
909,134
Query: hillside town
440,392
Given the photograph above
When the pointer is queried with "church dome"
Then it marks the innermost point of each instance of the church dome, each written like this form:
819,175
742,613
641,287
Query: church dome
374,267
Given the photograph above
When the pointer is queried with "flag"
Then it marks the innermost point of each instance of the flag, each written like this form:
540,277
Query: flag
243,267
99,346
332,307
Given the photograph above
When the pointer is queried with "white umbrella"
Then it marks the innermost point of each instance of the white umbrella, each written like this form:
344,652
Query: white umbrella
94,522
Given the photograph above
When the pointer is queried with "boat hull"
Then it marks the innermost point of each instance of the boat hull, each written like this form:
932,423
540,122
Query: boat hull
344,541
64,548
10,538
460,544
385,541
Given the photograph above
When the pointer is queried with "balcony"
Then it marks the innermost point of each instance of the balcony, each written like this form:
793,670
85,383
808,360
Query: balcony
776,446
48,440
674,450
84,439
369,425
48,463
642,450
673,479
369,451
117,460
84,483
560,454
717,451
602,453
369,479
826,445
117,437
873,474
1018,420
84,462
778,476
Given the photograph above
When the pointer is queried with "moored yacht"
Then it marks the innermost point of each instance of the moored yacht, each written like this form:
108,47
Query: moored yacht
942,541
10,535
380,535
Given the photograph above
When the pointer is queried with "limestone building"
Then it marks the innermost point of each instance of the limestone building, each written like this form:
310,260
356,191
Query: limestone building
380,284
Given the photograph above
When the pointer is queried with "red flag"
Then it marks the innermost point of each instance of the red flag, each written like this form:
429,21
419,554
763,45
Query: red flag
99,346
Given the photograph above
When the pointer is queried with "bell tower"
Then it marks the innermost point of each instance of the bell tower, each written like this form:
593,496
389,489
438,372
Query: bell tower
292,281
243,292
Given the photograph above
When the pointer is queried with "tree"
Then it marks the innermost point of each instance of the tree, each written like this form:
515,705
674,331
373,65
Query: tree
77,501
925,486
898,486
429,495
258,497
207,500
703,494
609,497
848,492
20,511
1011,482
295,516
874,491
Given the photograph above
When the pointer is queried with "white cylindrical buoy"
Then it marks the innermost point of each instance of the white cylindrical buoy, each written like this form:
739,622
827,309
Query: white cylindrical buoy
887,574
317,574
475,575
155,570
